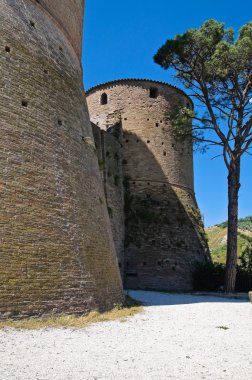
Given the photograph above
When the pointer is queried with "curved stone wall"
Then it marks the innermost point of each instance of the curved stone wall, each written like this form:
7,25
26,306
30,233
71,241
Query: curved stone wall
57,252
69,16
145,117
164,234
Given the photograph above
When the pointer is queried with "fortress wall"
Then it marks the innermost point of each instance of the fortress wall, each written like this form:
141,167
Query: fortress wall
164,233
56,252
69,16
164,237
145,117
109,153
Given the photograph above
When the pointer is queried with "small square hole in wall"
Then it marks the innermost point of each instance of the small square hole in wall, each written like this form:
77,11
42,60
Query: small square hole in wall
7,49
46,71
164,153
32,23
24,103
148,141
60,48
157,125
153,92
60,122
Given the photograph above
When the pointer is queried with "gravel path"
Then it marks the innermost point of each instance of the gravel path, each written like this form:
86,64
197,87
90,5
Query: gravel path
177,337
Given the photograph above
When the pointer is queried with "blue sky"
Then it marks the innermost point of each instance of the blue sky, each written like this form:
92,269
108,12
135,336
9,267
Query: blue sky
120,39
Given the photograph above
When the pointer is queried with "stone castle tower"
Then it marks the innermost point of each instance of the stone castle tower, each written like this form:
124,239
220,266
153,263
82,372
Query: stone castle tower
56,247
164,235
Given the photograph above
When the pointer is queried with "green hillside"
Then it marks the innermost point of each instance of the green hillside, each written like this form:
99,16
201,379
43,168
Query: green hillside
244,224
217,236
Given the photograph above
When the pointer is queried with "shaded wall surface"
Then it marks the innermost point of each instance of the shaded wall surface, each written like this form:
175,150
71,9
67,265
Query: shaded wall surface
56,247
164,235
109,153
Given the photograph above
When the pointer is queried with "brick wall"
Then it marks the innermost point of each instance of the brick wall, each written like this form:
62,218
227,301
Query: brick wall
69,16
56,251
109,153
164,235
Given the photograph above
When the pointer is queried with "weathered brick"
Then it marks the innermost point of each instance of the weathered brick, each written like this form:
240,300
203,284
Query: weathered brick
56,247
164,235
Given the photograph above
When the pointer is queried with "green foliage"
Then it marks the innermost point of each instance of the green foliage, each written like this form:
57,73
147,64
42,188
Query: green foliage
217,237
217,68
244,224
222,327
246,260
210,277
180,119
89,141
197,219
211,47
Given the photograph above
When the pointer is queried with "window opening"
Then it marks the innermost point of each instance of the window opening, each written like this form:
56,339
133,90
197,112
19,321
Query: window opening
153,92
104,99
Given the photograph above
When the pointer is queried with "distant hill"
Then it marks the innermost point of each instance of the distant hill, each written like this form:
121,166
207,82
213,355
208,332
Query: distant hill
244,224
217,236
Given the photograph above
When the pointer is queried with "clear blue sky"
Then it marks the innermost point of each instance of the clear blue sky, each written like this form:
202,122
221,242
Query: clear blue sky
120,40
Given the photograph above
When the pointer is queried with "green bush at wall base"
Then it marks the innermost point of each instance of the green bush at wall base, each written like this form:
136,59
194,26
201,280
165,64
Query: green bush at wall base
210,277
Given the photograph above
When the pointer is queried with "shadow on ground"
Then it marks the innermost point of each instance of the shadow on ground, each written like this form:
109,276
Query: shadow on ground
150,298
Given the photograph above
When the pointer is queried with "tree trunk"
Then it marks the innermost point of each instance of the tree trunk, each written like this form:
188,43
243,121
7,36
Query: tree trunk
233,191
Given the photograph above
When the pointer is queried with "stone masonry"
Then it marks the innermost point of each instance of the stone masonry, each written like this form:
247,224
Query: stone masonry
56,248
164,234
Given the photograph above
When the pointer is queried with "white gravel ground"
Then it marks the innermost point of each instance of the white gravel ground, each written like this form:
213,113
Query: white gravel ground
175,338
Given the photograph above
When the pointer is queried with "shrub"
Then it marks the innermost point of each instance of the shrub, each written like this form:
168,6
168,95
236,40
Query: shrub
211,276
208,276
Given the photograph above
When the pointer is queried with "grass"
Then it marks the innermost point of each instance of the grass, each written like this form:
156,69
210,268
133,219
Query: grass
120,312
222,327
217,237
